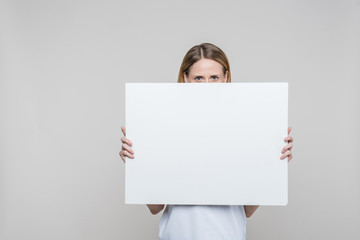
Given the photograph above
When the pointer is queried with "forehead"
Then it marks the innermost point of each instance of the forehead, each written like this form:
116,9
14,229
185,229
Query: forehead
206,66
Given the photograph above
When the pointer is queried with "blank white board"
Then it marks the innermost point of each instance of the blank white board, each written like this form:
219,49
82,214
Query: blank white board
208,143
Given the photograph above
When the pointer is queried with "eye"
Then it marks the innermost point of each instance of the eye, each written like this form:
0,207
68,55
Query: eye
198,78
214,77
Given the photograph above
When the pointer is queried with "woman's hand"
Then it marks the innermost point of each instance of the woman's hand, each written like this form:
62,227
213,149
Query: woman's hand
286,151
126,147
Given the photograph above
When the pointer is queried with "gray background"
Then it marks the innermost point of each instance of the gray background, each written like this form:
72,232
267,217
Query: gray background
63,65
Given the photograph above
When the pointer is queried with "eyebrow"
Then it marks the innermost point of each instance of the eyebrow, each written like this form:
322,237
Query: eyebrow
198,75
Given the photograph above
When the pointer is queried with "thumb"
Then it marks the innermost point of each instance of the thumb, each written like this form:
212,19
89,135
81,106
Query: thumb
123,130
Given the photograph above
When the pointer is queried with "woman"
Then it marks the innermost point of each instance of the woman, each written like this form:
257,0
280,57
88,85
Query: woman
203,63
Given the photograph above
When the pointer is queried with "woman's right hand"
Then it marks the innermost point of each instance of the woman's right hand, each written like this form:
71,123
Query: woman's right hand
126,150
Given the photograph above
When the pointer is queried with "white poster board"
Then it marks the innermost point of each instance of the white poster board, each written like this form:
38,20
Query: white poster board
208,143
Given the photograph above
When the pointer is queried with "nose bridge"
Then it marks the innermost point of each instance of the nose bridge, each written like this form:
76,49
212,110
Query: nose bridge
207,79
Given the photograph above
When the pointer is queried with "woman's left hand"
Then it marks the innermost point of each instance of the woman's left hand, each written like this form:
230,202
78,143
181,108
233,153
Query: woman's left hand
286,151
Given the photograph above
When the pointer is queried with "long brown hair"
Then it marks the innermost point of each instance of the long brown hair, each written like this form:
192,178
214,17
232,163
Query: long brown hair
204,50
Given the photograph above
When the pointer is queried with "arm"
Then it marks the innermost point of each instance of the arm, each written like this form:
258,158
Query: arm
250,209
126,151
155,208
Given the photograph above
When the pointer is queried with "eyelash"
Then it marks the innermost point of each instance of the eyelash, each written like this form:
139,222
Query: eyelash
212,77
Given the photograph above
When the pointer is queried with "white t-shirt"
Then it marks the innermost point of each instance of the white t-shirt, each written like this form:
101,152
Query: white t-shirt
210,222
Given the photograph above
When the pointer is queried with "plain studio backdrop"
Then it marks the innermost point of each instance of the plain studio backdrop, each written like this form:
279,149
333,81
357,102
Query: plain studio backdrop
63,65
